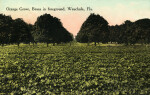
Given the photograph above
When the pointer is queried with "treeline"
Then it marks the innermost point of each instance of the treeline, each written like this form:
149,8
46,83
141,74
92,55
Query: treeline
47,29
96,29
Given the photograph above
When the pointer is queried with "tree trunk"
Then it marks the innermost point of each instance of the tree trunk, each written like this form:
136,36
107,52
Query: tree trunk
2,45
53,44
126,44
95,43
18,44
36,44
88,44
47,44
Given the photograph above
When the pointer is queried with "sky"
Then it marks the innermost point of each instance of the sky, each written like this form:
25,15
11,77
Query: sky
114,11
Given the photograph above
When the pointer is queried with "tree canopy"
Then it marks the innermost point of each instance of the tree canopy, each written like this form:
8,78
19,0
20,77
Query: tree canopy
21,32
49,29
131,32
94,29
5,29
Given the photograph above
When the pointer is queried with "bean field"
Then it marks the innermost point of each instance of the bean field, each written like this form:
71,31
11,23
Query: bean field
74,70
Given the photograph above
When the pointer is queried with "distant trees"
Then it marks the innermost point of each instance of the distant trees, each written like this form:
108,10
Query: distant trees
142,30
131,32
94,29
47,29
120,33
21,32
14,31
5,29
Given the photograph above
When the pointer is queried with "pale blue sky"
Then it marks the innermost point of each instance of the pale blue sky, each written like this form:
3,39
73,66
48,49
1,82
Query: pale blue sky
114,11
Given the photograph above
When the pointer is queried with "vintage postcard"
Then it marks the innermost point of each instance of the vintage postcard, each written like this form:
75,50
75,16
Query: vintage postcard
74,47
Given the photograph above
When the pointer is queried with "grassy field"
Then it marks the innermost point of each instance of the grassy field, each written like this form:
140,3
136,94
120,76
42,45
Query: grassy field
77,69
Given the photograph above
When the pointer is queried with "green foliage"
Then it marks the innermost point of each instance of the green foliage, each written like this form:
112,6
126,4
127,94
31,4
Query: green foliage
46,29
14,31
21,32
75,70
5,29
49,29
94,29
131,32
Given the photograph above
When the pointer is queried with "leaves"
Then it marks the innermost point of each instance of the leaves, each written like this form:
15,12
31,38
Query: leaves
94,29
77,69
